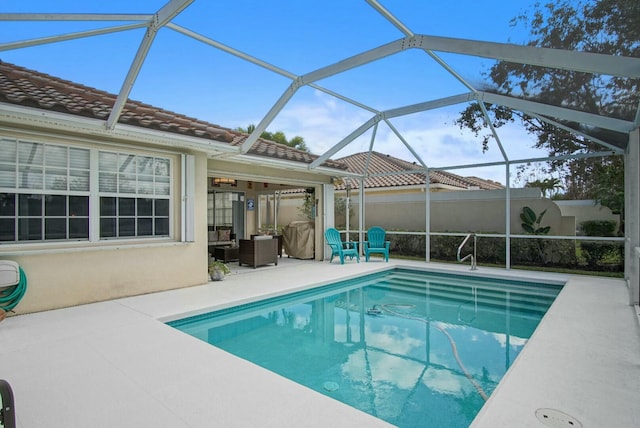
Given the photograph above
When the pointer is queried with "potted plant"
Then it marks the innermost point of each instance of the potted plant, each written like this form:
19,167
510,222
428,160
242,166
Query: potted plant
217,270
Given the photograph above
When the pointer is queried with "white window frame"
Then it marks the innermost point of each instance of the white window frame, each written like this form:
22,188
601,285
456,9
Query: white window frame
51,175
94,194
127,173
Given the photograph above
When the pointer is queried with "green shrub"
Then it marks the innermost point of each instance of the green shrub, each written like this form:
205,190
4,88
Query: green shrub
599,227
601,255
556,253
543,252
407,245
532,223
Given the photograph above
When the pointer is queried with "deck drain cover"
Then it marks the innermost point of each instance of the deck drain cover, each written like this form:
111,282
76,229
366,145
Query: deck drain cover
556,419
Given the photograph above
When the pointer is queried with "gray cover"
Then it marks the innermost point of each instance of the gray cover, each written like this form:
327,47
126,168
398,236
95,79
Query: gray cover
299,239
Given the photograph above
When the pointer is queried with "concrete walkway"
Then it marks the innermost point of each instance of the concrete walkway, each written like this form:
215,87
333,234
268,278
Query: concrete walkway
116,363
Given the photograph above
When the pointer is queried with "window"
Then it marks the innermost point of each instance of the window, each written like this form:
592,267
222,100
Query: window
134,195
44,192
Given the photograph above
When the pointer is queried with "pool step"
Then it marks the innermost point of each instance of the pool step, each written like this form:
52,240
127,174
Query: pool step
518,299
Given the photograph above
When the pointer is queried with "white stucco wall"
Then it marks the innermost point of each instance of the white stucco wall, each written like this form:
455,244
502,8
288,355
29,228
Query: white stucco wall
457,211
584,210
69,274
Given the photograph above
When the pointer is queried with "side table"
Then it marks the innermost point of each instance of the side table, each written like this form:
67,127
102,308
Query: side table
226,254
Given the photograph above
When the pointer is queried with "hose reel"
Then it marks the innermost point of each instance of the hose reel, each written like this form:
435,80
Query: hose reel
13,285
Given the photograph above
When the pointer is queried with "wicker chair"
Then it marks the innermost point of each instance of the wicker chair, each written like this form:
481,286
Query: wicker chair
258,252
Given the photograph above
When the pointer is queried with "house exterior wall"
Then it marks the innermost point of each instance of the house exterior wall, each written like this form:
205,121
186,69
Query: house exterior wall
69,273
62,274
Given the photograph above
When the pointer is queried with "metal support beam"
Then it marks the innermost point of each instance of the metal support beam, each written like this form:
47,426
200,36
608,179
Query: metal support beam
363,215
406,144
358,60
557,112
613,65
632,216
576,132
427,217
365,173
349,138
507,216
70,36
489,123
164,15
429,105
48,17
271,114
390,17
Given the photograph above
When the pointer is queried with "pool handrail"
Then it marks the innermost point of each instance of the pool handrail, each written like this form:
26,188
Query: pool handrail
474,266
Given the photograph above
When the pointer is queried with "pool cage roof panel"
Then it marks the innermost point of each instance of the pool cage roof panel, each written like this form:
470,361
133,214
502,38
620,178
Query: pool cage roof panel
231,40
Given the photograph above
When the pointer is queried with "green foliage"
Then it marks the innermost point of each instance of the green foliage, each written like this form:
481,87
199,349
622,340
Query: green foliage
217,265
550,185
610,27
602,255
599,227
532,223
534,253
308,206
279,137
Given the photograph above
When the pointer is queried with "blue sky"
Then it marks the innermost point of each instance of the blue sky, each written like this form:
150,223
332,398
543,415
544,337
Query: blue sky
186,76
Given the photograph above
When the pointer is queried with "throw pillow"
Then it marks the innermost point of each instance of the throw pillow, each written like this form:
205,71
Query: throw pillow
224,235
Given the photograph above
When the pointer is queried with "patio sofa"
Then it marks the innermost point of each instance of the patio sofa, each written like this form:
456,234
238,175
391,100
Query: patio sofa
220,238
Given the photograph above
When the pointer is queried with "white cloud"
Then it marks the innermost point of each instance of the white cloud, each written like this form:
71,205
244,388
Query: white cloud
324,121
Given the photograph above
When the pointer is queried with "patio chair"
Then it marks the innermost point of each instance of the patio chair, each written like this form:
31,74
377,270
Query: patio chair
376,243
339,248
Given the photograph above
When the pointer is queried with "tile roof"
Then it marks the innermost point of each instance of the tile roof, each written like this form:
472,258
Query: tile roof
381,164
30,88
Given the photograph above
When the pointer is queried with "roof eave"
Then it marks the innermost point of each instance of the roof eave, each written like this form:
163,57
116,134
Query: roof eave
36,121
286,164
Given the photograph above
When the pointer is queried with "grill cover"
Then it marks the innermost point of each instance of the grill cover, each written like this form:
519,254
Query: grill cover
299,239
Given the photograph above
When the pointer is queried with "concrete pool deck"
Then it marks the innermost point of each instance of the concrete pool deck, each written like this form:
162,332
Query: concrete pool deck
116,363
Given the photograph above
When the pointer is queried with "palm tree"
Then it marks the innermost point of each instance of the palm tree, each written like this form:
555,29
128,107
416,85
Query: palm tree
547,185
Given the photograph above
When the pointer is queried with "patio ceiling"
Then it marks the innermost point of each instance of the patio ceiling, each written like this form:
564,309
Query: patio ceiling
432,46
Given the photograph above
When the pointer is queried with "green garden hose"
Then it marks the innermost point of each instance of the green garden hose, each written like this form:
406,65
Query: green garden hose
11,296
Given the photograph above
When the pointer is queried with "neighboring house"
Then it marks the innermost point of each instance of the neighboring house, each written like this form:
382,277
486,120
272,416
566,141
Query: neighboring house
395,195
379,166
95,207
390,181
395,199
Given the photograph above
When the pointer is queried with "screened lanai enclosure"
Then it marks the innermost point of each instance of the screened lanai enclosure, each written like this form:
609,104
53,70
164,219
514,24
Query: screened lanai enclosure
347,76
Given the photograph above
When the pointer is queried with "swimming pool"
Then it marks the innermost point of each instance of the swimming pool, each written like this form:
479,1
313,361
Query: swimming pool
411,347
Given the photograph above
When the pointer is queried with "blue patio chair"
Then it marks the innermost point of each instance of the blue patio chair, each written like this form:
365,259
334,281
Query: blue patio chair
339,248
376,243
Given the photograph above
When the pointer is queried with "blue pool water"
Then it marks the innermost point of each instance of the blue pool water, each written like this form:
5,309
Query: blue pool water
410,347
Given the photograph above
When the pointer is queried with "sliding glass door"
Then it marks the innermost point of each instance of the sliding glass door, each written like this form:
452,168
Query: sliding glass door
225,210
